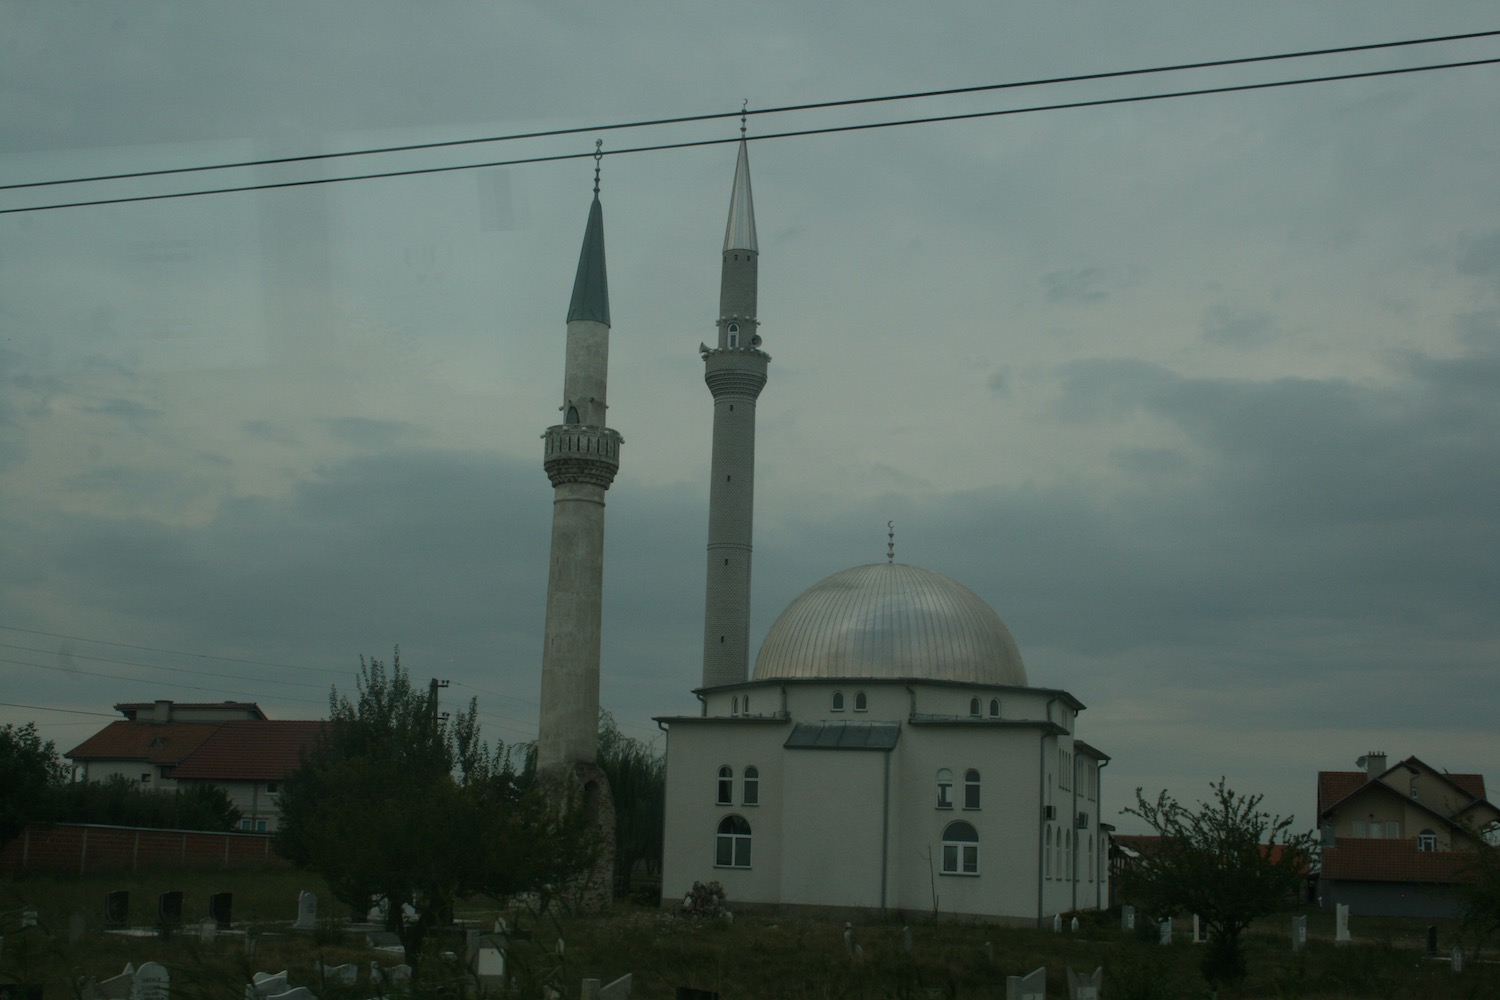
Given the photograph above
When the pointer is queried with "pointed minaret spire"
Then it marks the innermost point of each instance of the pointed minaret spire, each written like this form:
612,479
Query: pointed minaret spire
735,370
581,458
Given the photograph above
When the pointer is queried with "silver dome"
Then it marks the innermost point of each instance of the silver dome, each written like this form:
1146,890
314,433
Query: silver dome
890,621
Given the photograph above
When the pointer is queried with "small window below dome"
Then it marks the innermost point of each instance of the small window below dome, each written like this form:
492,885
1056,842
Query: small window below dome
861,703
735,706
745,705
994,708
838,701
974,707
945,789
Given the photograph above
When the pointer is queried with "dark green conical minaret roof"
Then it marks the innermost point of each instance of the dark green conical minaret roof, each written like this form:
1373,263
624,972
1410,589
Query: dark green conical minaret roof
591,286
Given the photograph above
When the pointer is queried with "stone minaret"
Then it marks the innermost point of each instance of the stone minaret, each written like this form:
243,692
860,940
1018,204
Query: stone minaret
735,370
582,456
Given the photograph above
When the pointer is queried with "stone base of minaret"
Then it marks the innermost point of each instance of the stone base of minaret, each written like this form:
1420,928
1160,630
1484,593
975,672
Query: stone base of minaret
585,785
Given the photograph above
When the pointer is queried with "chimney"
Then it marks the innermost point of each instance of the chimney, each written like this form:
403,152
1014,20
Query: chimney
1374,764
161,711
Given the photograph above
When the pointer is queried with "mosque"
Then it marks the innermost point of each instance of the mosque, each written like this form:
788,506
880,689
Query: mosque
887,753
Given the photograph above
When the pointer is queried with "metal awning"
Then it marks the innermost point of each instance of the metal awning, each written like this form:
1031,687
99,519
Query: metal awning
844,736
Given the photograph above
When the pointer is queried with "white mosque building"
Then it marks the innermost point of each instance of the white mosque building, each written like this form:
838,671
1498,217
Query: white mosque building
887,753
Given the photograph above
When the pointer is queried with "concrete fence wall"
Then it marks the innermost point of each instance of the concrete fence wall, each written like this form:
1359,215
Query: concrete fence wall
81,848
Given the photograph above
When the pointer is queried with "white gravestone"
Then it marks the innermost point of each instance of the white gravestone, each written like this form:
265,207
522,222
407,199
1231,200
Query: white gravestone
1164,931
1458,960
1057,923
114,988
1085,986
1341,935
339,975
906,940
152,982
296,993
1032,986
1197,930
208,930
265,984
1299,932
1127,918
307,911
489,966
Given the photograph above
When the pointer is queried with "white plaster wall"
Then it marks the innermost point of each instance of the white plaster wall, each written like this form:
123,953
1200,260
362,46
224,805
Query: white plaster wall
832,830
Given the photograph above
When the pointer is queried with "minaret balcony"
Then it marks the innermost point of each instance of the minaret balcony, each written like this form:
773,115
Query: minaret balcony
735,371
579,453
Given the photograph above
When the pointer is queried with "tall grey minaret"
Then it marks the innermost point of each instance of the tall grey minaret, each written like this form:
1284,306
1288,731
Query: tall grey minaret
735,371
581,458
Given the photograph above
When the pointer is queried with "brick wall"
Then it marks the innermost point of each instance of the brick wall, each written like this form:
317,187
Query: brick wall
87,847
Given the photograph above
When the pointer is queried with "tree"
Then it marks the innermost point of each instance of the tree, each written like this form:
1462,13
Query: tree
1480,889
402,804
118,801
1227,861
638,782
29,770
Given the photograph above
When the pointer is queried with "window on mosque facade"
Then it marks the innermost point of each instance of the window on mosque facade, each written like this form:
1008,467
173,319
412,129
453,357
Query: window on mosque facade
861,703
974,707
945,789
960,849
732,845
752,786
994,708
838,701
1049,852
735,709
726,786
971,789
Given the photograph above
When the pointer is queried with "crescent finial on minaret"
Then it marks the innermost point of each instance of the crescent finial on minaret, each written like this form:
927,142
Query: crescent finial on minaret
890,543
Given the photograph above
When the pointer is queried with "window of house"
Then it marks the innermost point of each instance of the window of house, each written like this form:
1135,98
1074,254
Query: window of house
1065,863
164,771
244,824
146,778
960,849
732,846
752,786
1427,841
974,707
1049,852
994,708
838,701
1357,828
726,785
945,789
971,789
272,788
861,703
1392,830
260,826
1089,858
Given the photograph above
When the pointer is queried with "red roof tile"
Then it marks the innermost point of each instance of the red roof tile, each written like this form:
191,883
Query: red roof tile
260,750
162,743
1356,860
1335,786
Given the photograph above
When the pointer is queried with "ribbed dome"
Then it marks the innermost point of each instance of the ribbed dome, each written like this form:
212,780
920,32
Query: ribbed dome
890,620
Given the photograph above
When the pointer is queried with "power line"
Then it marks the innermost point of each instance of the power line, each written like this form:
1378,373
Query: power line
65,711
784,109
152,666
173,652
830,130
172,684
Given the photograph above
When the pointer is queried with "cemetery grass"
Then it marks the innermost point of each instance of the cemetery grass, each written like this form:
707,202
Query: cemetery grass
760,956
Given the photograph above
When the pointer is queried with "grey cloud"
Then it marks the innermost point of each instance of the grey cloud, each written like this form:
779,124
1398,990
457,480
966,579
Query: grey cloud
126,409
1078,286
362,432
1236,327
1480,255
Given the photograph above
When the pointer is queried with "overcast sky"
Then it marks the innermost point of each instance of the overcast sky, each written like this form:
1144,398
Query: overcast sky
1202,395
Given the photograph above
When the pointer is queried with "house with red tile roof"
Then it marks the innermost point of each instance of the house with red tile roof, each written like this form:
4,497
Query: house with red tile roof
166,745
1396,839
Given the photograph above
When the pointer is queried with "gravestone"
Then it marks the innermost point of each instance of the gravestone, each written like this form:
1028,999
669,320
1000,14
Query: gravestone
1164,931
208,929
1085,986
117,908
30,917
307,911
1341,922
1431,940
989,952
689,993
489,965
169,909
906,940
295,993
152,982
339,975
617,990
78,926
1458,960
119,987
266,984
1057,923
393,975
1032,986
1127,918
1299,932
1073,925
221,909
1198,937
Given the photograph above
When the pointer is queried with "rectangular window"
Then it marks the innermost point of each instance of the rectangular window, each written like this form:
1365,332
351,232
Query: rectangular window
1426,842
1358,828
950,857
971,860
146,779
742,852
1393,830
244,824
260,826
271,788
724,855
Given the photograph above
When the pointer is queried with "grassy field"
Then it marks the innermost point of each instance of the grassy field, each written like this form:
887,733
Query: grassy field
756,956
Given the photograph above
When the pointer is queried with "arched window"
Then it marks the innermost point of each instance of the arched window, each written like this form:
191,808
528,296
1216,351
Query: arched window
734,335
732,845
945,789
1090,858
736,709
746,704
960,850
726,786
572,417
861,703
1427,841
1049,852
994,708
1065,861
838,701
974,707
971,789
752,786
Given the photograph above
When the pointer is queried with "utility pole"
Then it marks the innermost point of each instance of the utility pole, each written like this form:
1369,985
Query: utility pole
432,695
